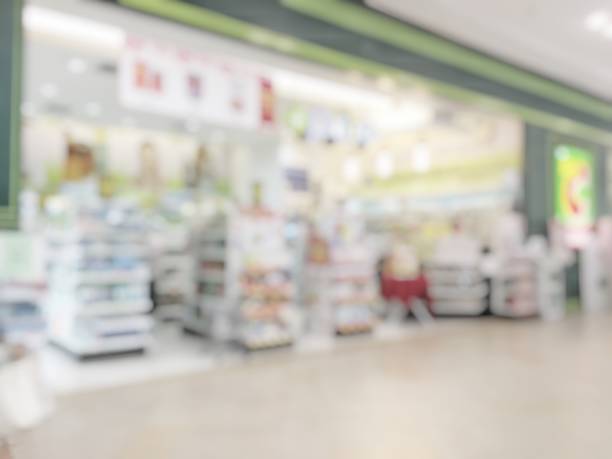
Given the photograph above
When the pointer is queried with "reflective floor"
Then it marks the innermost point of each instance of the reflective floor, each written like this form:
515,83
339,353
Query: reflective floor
477,389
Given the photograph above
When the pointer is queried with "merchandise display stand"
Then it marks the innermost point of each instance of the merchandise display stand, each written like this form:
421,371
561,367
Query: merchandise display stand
515,287
456,283
595,272
99,298
24,399
173,271
342,286
352,289
208,315
456,289
527,278
265,314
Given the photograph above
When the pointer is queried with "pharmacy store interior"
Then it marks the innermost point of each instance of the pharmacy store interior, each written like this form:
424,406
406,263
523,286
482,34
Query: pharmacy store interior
173,179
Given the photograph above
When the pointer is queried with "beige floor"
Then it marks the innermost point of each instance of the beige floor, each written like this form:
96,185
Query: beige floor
478,389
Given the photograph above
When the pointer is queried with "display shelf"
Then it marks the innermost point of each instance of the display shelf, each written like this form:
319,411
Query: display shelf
173,271
528,283
456,289
106,347
21,319
266,290
99,298
343,290
114,308
208,314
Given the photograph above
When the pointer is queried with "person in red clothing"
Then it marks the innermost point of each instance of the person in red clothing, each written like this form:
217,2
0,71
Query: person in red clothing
401,278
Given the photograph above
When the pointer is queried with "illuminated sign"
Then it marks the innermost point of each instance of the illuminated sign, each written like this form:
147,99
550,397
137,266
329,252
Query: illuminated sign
575,192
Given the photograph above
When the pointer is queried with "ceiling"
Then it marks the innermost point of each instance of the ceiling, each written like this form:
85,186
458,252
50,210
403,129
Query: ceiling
77,79
549,37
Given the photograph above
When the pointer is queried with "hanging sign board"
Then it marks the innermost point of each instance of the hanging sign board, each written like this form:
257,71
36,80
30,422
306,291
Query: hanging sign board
184,84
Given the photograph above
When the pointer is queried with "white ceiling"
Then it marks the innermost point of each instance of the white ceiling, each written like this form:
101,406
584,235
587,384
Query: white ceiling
546,36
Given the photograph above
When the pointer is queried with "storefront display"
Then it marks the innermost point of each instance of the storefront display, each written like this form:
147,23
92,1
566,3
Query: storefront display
226,156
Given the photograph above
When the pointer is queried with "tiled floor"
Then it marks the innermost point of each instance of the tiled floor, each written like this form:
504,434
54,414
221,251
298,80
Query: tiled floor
477,389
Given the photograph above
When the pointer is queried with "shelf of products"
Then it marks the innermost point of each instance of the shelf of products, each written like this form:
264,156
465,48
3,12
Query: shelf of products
455,278
207,315
516,287
528,281
456,289
24,399
99,296
173,271
342,283
266,289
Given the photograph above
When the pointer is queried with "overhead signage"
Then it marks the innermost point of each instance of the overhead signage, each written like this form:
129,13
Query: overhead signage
174,82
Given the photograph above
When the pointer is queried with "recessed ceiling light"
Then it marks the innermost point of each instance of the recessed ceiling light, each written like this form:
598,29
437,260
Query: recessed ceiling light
93,109
77,66
49,91
597,21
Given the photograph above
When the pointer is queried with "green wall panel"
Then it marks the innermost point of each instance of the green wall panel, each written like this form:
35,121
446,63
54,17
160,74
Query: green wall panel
10,101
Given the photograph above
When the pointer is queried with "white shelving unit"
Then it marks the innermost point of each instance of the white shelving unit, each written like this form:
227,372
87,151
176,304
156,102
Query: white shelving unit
24,399
265,314
99,295
515,288
209,314
342,291
455,278
173,271
456,289
529,281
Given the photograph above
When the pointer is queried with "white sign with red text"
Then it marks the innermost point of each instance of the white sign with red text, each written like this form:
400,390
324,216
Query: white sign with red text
168,81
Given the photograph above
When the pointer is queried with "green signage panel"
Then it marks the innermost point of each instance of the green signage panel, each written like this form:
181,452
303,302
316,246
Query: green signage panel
575,187
10,101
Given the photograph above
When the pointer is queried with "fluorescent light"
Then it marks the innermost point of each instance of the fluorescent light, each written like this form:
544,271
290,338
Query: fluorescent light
421,158
93,109
77,66
406,117
384,165
72,29
597,21
49,91
312,89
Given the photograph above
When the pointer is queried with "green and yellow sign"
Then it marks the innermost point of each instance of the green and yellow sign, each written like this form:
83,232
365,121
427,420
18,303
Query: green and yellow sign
575,188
